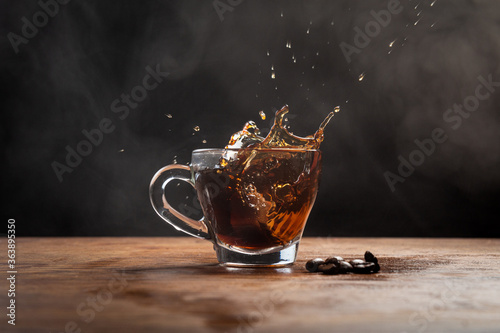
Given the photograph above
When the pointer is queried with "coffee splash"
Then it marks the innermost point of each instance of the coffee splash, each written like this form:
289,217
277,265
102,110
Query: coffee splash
278,136
269,192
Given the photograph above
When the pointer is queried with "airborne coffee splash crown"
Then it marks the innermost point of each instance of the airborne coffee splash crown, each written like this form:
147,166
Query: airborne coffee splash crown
279,136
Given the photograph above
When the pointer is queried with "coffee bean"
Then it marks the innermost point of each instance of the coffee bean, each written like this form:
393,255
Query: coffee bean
370,257
332,260
363,268
312,265
337,265
338,258
356,262
345,267
330,269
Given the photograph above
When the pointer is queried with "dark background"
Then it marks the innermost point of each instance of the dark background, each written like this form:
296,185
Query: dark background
64,80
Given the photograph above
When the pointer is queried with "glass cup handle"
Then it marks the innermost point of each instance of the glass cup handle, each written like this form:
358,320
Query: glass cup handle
196,228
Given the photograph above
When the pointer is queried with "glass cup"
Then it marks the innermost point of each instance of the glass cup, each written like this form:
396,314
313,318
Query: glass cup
255,202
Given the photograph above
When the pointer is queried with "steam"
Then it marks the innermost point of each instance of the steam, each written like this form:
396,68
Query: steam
437,67
221,77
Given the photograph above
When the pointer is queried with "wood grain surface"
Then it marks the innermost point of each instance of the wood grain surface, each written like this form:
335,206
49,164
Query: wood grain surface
176,285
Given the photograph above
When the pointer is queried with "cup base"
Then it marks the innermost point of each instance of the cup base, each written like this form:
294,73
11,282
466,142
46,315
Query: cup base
280,258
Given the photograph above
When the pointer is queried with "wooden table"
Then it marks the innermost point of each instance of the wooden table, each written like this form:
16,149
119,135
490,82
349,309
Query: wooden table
175,285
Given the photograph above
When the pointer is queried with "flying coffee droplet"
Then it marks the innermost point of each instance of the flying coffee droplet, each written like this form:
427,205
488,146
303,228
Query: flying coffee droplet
307,32
273,75
361,77
121,150
196,128
262,115
168,115
204,141
336,109
392,43
268,53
